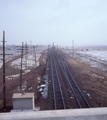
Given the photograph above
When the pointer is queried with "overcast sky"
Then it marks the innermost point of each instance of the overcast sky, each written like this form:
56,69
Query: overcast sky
58,21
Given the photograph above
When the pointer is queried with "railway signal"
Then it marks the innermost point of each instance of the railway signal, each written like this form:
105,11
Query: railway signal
4,82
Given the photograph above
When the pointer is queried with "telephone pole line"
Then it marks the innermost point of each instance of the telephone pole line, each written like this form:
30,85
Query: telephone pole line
22,49
4,82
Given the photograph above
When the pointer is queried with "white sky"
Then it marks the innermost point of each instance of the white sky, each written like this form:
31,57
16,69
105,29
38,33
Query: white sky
58,21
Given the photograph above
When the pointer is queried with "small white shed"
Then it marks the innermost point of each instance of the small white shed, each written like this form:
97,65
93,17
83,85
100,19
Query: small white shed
23,101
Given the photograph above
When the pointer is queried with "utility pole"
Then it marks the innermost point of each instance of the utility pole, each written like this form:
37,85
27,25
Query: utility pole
31,46
26,54
22,49
73,47
21,67
35,53
48,48
53,46
57,48
4,82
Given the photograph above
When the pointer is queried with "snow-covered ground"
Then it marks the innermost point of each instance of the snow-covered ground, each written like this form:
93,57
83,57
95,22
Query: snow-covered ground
27,65
95,58
8,57
100,55
43,88
30,62
16,52
1,63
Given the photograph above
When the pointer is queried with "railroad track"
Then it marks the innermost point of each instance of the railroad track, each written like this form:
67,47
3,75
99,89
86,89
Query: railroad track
70,81
76,91
58,98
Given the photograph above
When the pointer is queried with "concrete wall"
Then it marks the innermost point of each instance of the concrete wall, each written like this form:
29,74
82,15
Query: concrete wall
26,103
71,114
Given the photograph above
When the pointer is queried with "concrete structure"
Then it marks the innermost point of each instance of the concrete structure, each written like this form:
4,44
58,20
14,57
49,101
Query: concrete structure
23,101
70,114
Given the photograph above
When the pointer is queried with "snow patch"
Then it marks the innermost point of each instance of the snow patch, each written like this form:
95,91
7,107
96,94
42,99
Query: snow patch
43,88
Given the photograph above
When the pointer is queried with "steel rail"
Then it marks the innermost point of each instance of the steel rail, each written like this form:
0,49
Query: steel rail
60,86
53,82
69,73
69,84
70,77
57,85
